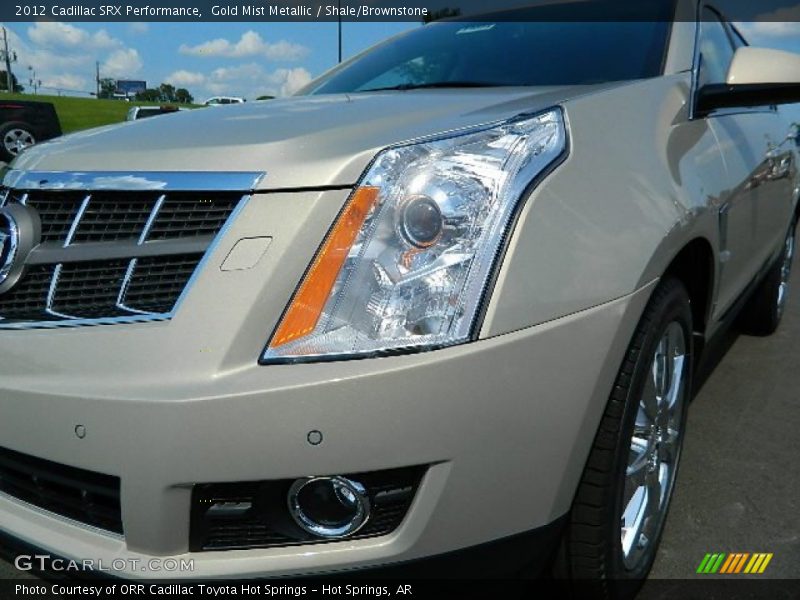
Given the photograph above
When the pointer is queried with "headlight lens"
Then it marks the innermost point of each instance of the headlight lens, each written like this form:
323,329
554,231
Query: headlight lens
409,258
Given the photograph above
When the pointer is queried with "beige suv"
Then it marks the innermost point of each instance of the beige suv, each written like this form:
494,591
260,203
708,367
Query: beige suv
451,294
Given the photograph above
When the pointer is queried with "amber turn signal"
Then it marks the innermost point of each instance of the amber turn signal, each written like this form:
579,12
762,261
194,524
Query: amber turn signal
304,312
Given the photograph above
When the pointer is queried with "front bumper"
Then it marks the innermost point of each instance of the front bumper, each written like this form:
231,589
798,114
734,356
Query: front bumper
527,554
505,424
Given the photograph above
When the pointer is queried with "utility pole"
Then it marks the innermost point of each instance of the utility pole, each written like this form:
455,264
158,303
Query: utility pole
97,77
339,16
34,81
7,56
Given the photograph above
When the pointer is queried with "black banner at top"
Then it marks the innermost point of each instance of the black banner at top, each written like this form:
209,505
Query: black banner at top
389,10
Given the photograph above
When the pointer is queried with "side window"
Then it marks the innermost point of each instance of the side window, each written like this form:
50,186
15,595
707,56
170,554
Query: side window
716,51
417,71
738,40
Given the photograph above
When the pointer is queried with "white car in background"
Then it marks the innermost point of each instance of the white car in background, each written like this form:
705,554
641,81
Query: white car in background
143,112
223,100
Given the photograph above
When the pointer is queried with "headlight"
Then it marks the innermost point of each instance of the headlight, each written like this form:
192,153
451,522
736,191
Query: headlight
407,263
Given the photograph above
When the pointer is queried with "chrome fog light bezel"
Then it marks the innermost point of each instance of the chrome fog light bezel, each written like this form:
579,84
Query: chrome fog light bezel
309,525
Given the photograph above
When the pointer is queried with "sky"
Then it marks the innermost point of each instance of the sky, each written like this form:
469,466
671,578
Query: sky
240,59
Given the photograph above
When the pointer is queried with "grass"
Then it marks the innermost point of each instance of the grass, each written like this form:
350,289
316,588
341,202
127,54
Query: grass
82,113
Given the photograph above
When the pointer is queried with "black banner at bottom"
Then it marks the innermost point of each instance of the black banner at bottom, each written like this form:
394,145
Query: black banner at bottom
686,589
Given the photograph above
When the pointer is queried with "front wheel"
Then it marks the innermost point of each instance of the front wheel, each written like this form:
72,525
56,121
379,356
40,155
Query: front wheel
621,504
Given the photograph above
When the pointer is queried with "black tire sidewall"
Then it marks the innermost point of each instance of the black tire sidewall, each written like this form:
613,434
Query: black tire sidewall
778,268
672,304
761,317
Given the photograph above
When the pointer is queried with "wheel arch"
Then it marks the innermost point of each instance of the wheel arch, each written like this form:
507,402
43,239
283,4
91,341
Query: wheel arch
694,266
18,124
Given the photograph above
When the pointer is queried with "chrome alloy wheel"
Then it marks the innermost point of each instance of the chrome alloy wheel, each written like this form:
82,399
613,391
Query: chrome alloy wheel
786,272
16,140
654,446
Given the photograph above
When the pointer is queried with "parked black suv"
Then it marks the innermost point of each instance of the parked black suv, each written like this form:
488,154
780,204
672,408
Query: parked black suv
24,123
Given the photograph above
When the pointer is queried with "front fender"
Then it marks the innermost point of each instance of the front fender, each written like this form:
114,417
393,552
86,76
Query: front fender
641,182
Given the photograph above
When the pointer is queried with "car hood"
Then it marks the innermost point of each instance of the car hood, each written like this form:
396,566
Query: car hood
299,142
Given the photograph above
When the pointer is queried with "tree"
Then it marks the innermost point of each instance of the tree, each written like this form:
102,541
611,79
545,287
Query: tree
15,84
167,92
183,96
107,87
149,95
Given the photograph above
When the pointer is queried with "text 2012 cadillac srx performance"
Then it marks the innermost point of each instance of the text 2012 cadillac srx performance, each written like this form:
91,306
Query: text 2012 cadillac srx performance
452,293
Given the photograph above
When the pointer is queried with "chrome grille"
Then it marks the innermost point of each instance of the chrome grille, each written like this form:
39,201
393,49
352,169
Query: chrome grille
111,217
113,255
24,302
153,282
86,290
186,217
57,213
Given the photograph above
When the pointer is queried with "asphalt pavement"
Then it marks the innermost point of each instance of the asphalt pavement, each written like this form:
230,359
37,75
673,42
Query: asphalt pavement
738,488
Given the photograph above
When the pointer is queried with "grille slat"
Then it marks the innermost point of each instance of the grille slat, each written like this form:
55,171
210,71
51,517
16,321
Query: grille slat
156,282
89,290
110,219
27,300
195,217
88,278
81,495
57,212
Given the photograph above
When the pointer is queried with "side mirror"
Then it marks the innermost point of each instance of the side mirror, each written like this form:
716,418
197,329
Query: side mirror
756,77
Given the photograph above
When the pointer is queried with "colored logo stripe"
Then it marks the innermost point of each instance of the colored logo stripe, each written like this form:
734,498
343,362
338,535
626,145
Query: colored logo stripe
731,560
734,562
703,563
711,563
741,563
758,563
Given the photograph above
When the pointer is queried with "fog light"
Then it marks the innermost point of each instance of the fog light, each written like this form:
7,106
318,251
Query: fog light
329,507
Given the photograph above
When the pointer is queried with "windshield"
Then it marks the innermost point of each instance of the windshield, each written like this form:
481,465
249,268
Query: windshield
504,53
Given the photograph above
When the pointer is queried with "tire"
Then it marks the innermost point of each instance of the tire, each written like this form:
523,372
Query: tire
596,545
14,138
764,310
